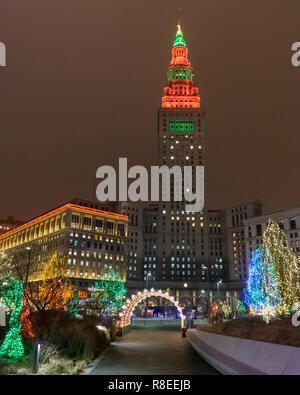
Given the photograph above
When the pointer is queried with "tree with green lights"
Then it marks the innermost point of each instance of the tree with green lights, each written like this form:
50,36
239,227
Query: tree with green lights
12,295
241,308
286,265
74,306
112,291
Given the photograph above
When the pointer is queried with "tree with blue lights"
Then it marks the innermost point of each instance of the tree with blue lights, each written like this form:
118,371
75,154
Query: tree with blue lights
262,295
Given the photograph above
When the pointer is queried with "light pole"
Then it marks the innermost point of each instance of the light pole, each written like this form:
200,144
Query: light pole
218,285
148,277
146,307
206,268
207,287
28,250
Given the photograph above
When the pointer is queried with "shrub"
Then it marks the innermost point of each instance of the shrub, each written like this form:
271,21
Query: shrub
112,324
58,365
74,338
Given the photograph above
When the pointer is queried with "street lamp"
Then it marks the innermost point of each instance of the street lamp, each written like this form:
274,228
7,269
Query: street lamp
207,287
148,276
146,307
206,268
218,285
185,285
28,250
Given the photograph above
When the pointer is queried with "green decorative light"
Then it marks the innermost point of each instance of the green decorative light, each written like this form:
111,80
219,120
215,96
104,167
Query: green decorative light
114,290
241,308
73,309
181,126
12,295
184,74
179,38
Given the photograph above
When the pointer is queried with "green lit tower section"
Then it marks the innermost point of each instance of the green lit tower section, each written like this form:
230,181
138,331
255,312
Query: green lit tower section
182,242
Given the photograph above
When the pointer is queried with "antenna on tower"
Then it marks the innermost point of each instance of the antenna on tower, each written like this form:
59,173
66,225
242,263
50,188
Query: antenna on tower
179,14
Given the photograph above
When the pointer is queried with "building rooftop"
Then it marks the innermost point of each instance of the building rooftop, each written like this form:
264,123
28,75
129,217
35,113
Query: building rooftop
61,208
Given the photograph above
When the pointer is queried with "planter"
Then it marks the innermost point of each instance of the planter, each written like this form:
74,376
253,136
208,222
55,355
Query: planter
233,355
124,330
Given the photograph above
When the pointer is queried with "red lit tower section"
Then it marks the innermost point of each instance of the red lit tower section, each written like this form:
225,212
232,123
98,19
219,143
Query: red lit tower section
180,91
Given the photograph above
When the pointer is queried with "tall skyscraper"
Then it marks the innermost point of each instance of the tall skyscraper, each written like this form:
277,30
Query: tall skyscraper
182,248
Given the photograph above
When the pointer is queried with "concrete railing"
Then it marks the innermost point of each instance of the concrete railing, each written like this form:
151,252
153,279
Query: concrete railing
162,322
137,322
233,355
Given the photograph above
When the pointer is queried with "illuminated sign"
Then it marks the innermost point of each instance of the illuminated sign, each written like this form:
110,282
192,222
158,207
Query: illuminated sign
92,289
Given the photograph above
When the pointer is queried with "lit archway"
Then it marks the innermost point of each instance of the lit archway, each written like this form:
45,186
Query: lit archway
125,315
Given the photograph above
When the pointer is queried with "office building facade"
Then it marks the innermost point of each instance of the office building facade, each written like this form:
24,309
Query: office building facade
94,241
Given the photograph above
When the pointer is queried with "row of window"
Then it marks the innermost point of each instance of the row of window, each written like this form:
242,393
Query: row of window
97,224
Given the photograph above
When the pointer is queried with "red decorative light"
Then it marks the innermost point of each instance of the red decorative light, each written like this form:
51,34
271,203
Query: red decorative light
26,328
180,91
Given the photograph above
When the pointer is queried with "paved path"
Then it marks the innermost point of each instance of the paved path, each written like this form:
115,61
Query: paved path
157,351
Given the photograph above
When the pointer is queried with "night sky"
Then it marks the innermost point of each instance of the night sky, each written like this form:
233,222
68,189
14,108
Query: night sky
84,79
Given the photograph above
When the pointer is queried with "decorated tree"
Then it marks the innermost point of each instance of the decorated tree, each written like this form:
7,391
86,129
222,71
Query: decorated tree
226,310
214,310
54,291
26,328
110,292
12,294
19,265
286,266
74,306
241,308
262,294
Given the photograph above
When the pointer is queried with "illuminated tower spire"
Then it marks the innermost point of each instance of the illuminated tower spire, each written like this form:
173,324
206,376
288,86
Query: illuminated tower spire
179,37
180,91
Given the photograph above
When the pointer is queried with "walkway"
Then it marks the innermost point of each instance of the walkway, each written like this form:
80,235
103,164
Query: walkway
155,350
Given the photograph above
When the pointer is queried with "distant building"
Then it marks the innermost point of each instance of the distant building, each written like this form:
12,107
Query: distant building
235,218
134,212
134,260
217,247
245,225
289,222
93,240
8,224
152,268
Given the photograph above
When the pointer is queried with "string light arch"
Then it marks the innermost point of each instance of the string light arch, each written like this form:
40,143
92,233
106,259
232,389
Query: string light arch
125,315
